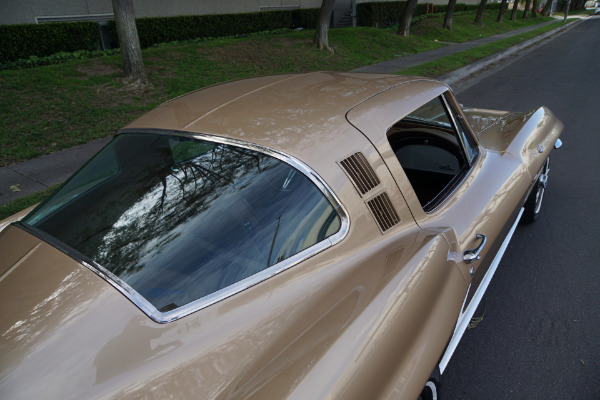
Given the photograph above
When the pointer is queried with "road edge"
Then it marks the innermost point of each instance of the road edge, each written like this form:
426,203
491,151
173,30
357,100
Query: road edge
467,72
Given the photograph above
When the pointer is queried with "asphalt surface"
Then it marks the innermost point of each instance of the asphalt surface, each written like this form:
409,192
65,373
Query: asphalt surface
540,335
22,179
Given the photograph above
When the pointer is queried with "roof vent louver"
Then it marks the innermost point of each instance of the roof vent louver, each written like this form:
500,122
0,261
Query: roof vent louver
360,172
382,209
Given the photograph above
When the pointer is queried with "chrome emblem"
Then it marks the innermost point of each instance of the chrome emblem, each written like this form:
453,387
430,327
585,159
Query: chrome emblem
540,148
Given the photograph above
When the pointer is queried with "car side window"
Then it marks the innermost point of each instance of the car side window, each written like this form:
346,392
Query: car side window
435,150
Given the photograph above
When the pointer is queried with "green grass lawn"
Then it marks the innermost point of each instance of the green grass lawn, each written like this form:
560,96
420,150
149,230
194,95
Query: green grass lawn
20,204
450,63
54,107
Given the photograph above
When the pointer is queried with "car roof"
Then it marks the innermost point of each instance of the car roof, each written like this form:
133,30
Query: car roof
302,115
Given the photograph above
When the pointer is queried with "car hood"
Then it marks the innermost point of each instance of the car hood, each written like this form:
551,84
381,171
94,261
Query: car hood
481,119
528,136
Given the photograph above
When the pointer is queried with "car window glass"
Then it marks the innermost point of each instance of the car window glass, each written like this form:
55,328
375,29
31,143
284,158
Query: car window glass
101,167
183,218
430,151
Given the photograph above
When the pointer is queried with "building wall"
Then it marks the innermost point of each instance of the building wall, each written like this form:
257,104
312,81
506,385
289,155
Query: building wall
35,11
26,11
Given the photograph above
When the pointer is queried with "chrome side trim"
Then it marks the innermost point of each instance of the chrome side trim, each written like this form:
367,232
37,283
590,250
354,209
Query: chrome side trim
165,317
465,317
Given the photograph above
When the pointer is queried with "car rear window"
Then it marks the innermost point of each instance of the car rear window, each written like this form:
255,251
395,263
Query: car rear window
177,219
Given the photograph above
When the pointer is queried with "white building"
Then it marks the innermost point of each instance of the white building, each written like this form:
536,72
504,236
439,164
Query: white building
40,11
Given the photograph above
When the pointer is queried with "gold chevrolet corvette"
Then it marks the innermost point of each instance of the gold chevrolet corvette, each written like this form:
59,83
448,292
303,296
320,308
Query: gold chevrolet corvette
312,236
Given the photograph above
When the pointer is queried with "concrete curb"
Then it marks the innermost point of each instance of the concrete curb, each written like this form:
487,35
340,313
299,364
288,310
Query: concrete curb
467,71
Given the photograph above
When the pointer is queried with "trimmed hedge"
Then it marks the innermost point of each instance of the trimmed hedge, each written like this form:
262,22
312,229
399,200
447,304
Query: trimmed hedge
168,29
26,44
306,18
25,40
379,14
383,14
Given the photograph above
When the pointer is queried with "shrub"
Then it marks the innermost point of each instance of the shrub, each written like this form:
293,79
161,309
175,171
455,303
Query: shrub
379,14
167,29
25,45
41,40
305,17
387,13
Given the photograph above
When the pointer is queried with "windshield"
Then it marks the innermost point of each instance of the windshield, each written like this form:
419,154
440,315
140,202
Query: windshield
178,219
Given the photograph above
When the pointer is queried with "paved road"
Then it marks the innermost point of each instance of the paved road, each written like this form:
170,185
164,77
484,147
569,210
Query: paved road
540,336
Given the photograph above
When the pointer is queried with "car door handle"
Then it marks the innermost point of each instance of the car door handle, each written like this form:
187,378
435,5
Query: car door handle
471,255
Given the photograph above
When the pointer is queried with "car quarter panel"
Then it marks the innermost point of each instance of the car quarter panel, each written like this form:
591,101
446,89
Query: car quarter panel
397,341
309,332
56,314
342,315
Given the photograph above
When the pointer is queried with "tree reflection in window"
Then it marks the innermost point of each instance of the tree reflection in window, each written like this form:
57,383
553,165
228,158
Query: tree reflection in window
184,218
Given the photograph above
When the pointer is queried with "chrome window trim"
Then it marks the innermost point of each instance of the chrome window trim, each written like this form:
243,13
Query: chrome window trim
450,110
470,163
165,317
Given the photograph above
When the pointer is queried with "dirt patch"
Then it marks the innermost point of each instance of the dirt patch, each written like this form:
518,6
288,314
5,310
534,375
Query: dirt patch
170,55
98,69
263,59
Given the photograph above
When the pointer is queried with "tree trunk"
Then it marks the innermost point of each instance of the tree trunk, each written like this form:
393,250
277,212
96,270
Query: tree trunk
513,14
526,11
547,9
577,5
131,53
567,11
479,17
501,11
450,14
322,32
409,9
534,9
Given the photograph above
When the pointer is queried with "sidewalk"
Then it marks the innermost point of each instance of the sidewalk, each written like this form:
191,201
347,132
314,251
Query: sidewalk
393,66
22,179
